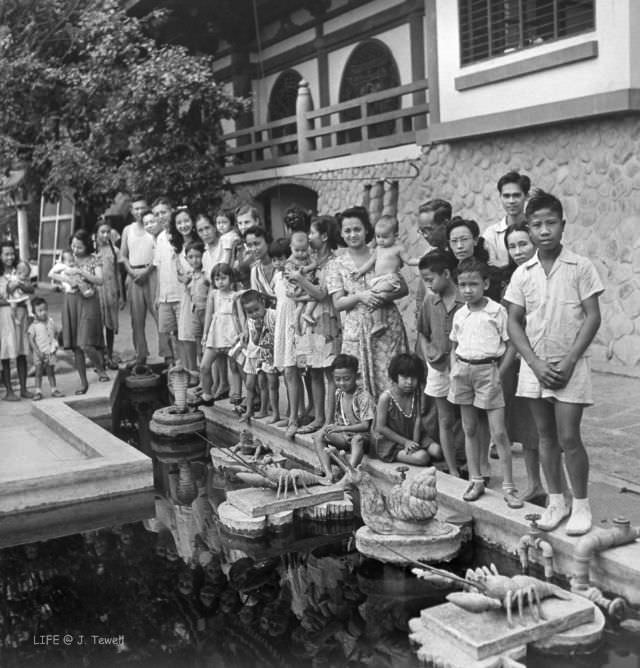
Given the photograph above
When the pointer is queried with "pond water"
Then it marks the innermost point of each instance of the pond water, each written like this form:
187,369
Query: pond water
124,596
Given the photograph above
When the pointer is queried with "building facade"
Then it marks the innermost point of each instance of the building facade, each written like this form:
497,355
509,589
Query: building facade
394,102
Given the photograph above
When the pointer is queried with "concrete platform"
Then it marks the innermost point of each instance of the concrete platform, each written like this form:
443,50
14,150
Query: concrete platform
617,570
62,473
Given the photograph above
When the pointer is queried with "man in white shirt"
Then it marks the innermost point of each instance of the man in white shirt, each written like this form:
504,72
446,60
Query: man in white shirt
513,188
137,256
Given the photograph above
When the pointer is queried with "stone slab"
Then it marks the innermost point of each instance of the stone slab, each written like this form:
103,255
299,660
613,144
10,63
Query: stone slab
389,547
258,501
440,652
581,638
484,634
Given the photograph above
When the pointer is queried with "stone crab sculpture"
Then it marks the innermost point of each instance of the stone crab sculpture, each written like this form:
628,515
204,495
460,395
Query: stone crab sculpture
400,517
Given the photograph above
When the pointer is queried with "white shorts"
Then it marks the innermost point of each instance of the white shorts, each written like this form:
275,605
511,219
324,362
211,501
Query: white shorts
577,391
437,382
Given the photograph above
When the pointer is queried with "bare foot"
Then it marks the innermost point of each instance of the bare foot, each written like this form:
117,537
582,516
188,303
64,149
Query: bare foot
273,419
260,415
282,422
245,418
532,493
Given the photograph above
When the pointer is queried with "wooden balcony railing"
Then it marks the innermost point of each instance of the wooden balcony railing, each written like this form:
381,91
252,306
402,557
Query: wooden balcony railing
378,120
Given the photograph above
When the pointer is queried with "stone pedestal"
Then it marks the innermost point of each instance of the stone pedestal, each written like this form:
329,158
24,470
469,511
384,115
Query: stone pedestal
439,542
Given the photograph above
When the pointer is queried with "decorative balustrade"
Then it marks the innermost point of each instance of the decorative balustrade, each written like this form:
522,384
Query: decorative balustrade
378,120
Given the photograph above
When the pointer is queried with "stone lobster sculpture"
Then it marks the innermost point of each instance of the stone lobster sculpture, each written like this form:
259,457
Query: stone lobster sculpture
406,508
494,591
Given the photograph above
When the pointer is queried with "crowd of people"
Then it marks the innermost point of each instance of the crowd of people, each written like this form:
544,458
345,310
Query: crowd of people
504,322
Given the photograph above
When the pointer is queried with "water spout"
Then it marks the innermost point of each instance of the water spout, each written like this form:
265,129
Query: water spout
533,541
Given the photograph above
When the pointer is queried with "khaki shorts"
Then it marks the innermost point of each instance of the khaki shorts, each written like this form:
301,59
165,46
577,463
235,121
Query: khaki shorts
476,385
168,317
577,391
437,382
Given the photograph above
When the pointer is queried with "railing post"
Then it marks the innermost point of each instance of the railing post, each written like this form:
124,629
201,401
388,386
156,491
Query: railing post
303,105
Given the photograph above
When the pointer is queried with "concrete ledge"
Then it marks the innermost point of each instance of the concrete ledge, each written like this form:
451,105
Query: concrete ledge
108,479
617,570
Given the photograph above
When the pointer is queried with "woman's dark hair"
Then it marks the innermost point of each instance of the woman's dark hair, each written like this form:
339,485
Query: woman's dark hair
479,252
407,364
175,238
296,219
279,248
343,361
329,226
522,226
521,180
85,239
8,244
362,215
258,231
222,269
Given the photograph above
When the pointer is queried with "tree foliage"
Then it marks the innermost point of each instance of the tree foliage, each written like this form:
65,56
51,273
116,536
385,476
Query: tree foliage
97,105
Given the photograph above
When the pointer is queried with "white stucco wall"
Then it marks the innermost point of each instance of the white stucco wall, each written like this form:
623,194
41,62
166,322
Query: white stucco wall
610,71
398,41
262,88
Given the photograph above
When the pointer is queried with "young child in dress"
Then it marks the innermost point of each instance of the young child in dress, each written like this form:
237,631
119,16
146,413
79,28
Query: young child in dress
197,283
554,315
18,279
301,260
229,239
43,339
398,432
434,323
354,412
479,341
386,261
222,326
259,356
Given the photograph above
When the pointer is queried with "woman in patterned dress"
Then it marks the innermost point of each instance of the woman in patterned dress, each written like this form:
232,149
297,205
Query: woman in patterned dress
353,298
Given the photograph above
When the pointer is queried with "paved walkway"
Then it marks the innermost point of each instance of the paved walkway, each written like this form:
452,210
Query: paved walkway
611,428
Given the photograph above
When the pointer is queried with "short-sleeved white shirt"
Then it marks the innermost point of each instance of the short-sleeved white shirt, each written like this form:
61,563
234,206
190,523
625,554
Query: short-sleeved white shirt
553,303
480,334
165,260
494,243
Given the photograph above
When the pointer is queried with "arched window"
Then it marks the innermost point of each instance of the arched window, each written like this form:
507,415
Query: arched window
282,103
371,68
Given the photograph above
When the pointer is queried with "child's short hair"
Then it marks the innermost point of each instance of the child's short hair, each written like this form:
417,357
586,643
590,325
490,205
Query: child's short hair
279,248
437,261
196,245
38,301
23,263
390,222
344,361
299,233
521,180
163,199
258,231
229,214
244,269
543,200
251,210
406,364
222,269
251,296
473,265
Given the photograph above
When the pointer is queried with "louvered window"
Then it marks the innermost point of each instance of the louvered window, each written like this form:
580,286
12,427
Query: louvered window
490,28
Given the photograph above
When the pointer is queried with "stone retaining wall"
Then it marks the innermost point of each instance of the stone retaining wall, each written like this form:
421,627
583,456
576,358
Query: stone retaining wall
592,166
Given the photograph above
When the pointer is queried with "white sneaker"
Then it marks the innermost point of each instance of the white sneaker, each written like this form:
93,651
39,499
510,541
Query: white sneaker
553,515
580,522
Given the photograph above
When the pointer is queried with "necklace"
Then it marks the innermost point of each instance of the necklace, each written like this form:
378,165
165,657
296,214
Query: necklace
397,403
